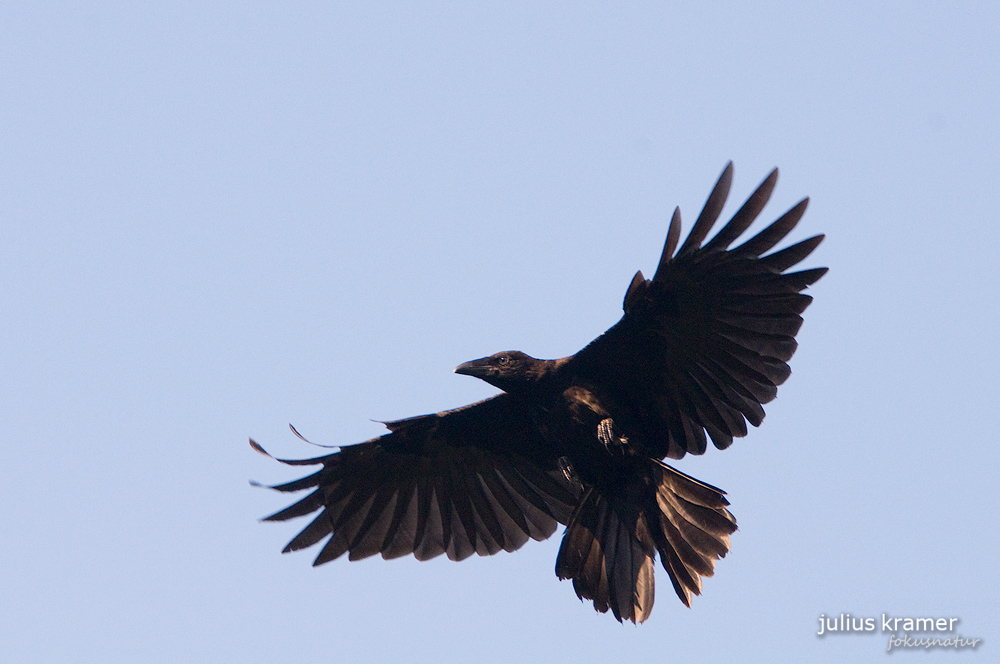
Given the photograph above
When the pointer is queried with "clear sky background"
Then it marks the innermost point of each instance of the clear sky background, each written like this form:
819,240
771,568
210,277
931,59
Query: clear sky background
219,218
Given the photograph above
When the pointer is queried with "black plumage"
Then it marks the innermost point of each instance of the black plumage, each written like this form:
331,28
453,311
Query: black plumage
580,440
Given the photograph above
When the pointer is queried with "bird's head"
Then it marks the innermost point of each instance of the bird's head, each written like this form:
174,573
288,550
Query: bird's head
508,370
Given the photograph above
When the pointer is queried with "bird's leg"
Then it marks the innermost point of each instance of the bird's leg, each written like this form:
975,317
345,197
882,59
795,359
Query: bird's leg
612,442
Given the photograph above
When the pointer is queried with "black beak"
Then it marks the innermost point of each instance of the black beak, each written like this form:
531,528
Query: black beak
479,368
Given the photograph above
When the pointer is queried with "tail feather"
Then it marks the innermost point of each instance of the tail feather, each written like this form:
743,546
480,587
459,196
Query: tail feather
694,528
608,554
615,533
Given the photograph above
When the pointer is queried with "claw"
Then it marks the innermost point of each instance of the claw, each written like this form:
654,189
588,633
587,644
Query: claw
568,471
612,442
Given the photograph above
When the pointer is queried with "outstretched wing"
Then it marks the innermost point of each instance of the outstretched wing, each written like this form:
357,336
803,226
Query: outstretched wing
706,342
477,479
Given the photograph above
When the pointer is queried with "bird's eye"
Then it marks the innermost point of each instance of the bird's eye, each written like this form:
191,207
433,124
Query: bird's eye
503,360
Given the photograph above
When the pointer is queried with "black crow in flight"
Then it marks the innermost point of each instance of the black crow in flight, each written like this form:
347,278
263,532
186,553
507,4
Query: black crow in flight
579,440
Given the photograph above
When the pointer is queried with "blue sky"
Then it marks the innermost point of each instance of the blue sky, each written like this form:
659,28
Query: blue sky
219,218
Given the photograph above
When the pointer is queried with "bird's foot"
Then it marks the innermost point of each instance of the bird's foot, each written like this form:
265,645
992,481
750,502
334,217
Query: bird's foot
568,471
612,442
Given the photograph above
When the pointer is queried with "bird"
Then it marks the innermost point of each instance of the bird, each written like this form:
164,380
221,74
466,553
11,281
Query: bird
581,441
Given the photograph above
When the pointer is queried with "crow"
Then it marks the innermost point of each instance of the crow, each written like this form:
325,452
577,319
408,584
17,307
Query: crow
580,440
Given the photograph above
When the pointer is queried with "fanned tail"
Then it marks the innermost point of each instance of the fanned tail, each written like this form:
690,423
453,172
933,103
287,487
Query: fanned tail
613,536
